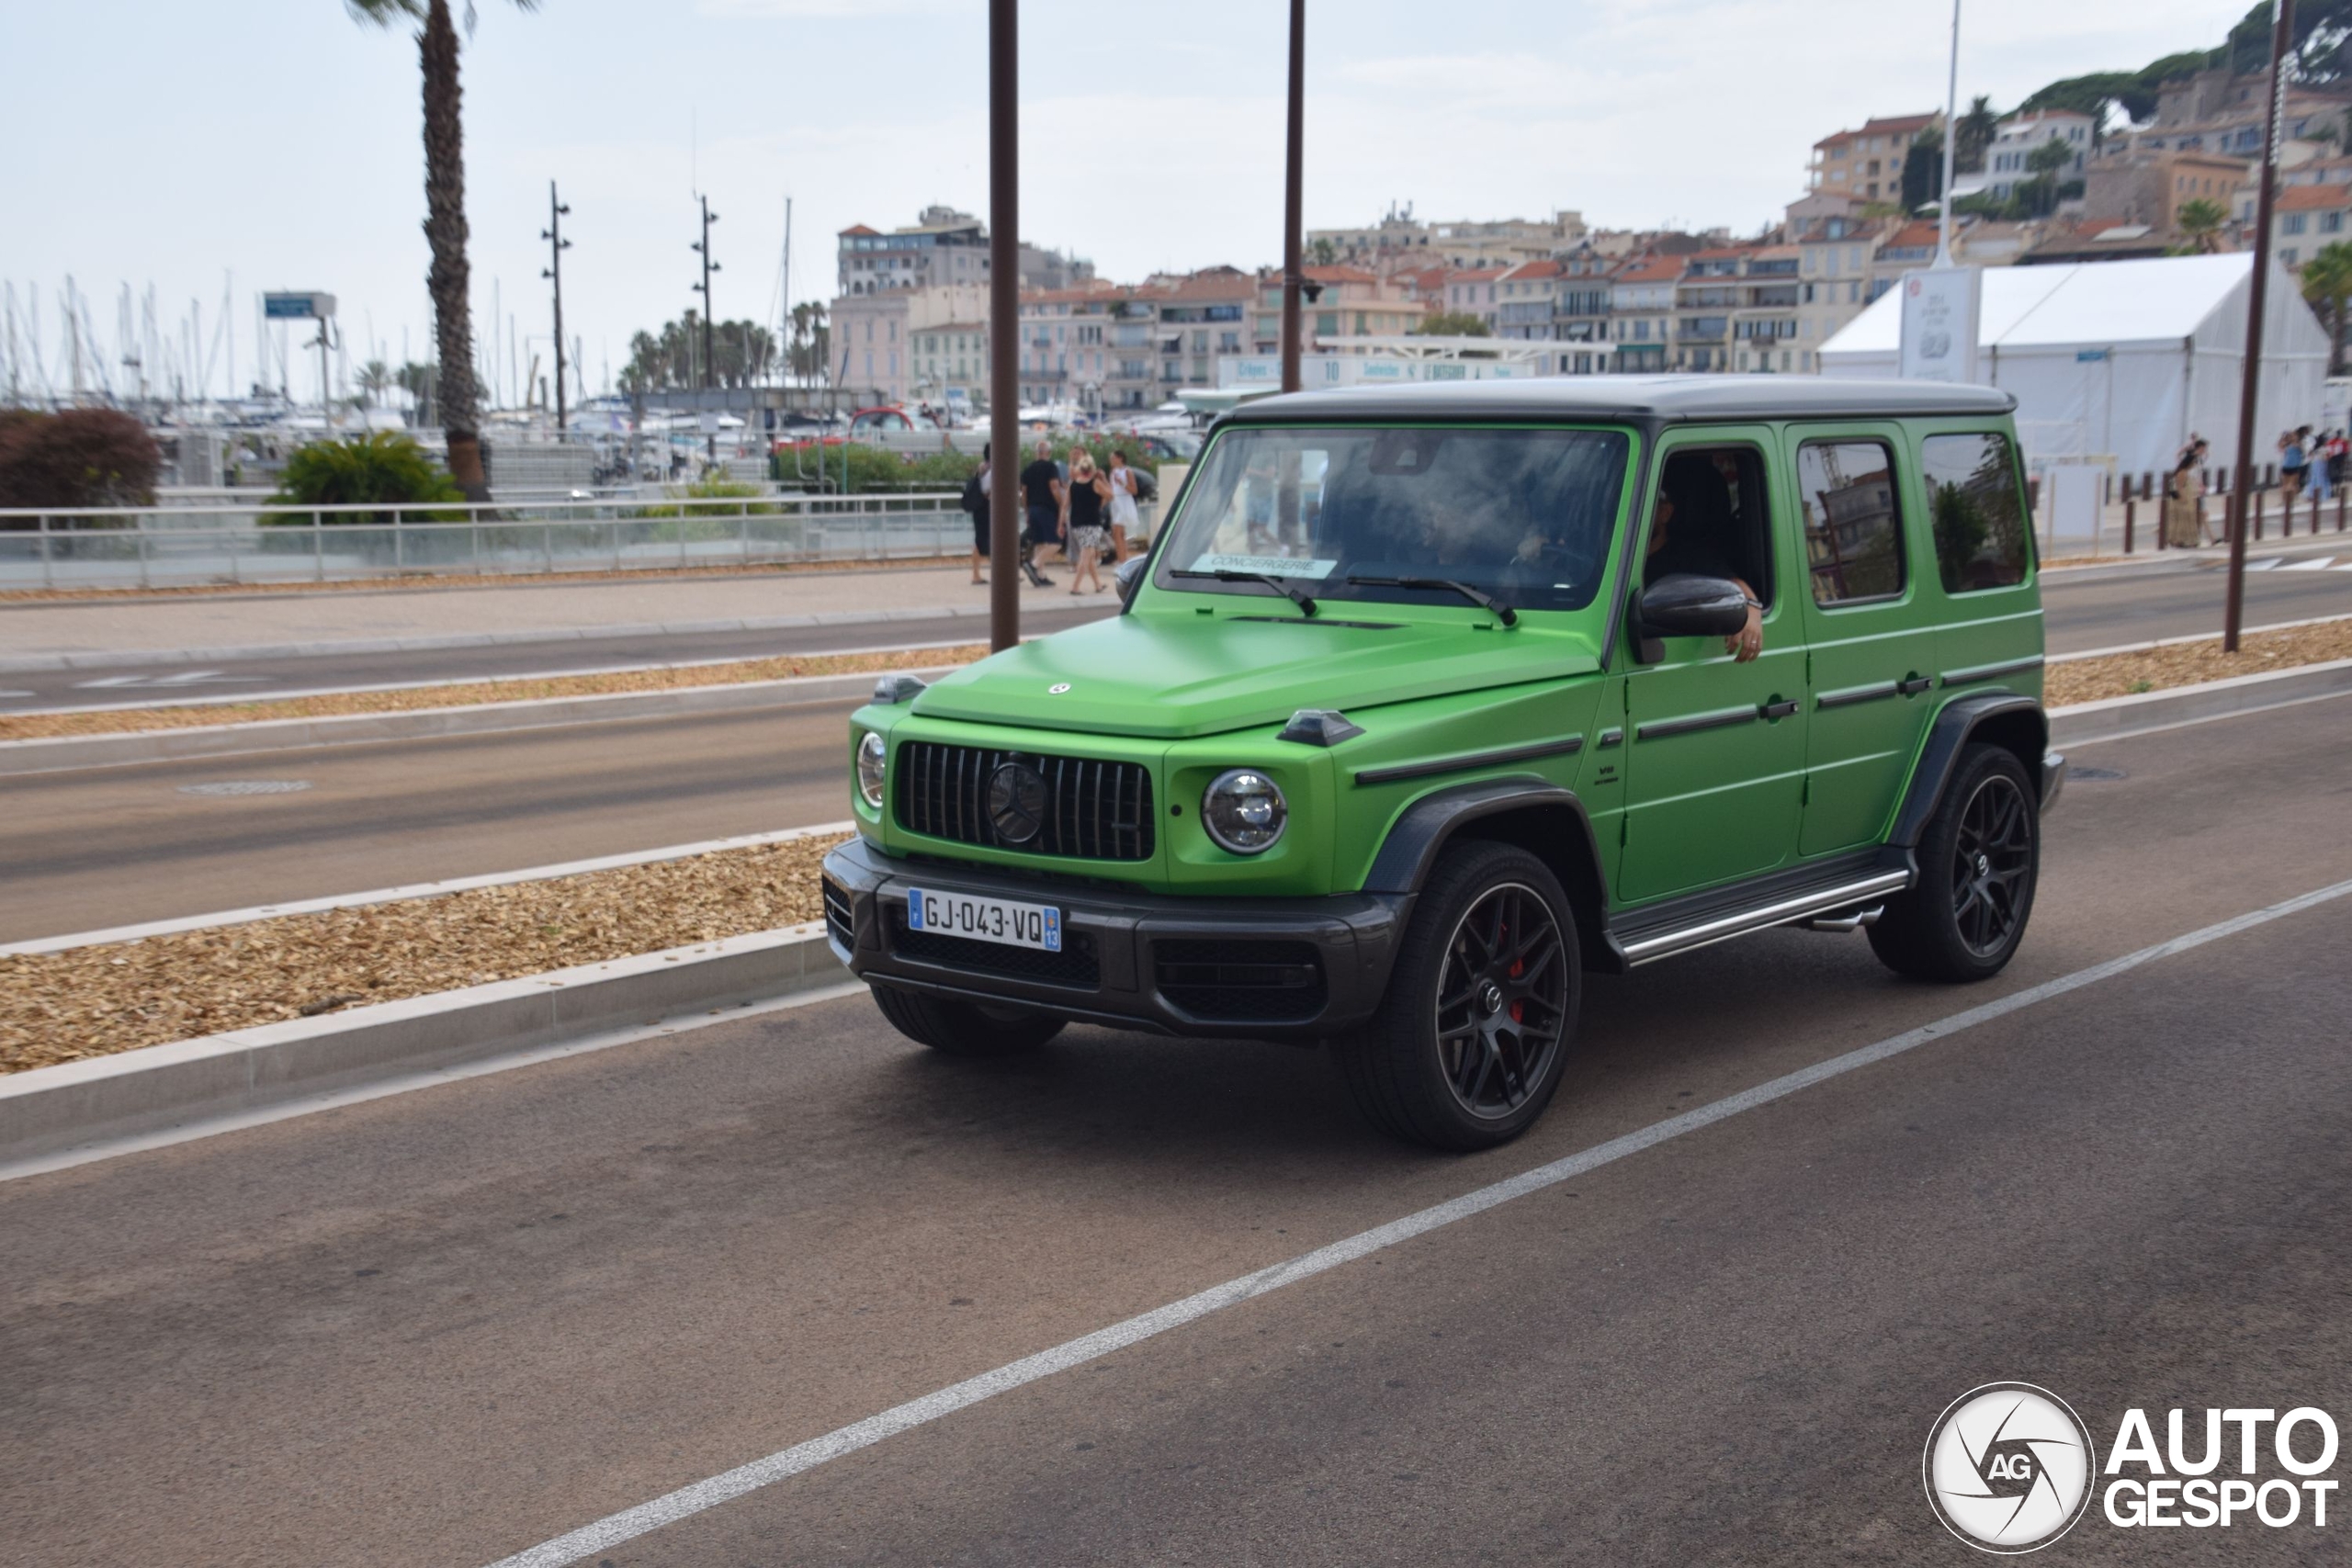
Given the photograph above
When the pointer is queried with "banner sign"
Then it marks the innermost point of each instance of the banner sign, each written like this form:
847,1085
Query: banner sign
1940,308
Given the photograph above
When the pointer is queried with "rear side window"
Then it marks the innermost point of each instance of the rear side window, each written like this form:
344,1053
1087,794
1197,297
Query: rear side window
1973,500
1853,531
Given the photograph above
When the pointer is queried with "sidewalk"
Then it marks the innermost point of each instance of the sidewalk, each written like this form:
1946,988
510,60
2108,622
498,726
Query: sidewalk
356,621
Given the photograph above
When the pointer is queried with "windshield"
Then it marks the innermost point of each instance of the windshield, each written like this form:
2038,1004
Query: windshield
1524,516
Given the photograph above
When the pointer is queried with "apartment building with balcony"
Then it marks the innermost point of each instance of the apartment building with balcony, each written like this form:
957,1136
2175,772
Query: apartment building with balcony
1866,165
1705,300
1764,326
949,356
2223,111
1351,301
1472,291
1527,296
2009,161
1641,311
2306,218
1065,349
943,248
1196,318
873,334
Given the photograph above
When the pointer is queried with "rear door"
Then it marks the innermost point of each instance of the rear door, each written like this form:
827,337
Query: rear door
1869,626
1714,756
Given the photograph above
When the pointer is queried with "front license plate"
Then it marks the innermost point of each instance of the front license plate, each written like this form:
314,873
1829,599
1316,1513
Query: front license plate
985,919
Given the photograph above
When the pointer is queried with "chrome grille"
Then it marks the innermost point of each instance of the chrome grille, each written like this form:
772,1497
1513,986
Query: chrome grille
1094,811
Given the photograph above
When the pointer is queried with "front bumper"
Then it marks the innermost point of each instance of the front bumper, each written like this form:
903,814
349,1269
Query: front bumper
1254,967
2054,779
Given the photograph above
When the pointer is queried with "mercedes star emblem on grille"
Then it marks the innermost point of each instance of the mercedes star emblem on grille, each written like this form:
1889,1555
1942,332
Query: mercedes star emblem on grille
1017,802
1057,689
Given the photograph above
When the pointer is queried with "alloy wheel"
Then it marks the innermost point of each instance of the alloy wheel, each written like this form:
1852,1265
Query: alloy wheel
1502,1000
1992,858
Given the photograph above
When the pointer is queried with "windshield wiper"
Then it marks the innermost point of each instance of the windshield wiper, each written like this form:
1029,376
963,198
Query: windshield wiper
1477,596
1280,584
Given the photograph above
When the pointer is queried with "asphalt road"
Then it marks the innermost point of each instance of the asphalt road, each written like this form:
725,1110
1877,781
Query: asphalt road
447,1326
45,690
116,846
2099,613
2116,608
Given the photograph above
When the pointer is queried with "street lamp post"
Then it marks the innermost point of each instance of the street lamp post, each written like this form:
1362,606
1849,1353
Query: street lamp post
2282,27
1004,323
709,364
556,245
1291,182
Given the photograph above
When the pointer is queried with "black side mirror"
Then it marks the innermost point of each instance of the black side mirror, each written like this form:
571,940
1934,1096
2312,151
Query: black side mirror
1683,604
1129,576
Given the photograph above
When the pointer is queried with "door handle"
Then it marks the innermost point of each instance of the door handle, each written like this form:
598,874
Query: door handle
1912,686
1779,709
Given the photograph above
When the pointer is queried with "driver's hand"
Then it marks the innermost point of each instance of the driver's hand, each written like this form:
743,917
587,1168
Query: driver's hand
1748,642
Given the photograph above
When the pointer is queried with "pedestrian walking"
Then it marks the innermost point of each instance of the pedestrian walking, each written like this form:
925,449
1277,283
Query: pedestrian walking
2291,458
2184,498
1043,493
976,506
1087,497
1125,518
2321,483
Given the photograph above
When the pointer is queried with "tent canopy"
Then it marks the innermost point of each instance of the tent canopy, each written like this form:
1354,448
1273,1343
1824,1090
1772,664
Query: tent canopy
2122,361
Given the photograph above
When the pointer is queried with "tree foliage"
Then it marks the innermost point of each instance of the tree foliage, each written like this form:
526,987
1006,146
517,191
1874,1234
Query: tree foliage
1977,128
78,458
743,354
1453,324
2200,220
386,467
1923,169
2326,284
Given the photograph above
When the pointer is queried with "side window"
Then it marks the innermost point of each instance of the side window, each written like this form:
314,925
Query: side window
1853,529
1711,518
1973,502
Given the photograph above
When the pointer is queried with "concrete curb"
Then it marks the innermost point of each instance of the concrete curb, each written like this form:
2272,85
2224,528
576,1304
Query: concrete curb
45,1110
58,753
110,659
2112,717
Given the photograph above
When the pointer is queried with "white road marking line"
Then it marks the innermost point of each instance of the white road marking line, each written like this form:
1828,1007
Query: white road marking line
2270,564
2317,563
646,1518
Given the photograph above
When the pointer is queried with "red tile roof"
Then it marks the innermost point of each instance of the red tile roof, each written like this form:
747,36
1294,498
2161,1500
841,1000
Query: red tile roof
1340,275
1535,269
1650,269
1911,236
1896,125
2313,198
1475,274
856,229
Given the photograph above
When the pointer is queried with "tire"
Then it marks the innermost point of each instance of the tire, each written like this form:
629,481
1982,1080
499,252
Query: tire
1467,1048
1979,861
964,1028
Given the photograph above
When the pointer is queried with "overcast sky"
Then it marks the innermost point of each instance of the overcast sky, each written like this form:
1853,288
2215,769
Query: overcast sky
277,140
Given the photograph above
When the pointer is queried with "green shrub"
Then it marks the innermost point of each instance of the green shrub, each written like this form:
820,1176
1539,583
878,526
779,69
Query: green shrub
383,467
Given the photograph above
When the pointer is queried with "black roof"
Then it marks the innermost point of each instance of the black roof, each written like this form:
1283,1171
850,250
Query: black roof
1644,397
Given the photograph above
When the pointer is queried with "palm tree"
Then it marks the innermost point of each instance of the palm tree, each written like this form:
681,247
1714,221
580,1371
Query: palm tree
445,224
2327,285
1976,130
2199,222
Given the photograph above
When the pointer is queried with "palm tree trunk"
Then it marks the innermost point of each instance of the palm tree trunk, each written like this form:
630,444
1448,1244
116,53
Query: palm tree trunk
445,231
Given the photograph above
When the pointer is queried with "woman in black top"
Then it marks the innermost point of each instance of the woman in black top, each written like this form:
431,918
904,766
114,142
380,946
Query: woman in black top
1087,493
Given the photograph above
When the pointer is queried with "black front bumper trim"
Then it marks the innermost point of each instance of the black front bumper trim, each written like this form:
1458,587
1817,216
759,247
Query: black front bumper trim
1353,936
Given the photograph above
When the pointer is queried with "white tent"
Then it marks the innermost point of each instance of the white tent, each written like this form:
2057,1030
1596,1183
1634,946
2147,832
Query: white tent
2121,361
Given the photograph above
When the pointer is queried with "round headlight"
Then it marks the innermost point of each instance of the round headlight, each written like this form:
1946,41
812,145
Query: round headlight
870,755
1243,811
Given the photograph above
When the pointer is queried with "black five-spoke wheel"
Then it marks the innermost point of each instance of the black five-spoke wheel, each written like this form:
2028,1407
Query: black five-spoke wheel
1978,858
1502,1000
1469,1042
1992,861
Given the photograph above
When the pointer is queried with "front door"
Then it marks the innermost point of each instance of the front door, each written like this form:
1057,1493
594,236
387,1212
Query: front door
1714,765
1872,639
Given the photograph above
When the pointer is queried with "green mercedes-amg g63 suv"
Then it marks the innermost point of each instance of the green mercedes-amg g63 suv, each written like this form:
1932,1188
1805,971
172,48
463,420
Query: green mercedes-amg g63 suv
1428,700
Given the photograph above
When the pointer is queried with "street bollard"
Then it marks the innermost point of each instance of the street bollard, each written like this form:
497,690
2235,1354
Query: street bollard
2257,513
2128,504
2314,514
2339,509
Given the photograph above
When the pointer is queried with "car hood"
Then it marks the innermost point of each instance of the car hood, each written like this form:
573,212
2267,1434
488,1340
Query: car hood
1172,676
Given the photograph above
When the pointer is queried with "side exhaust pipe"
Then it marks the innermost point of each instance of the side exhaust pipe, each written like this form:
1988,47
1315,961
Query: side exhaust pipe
1852,921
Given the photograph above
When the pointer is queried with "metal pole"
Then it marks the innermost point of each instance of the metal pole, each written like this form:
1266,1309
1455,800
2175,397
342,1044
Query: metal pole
556,245
1004,324
1951,141
2283,26
709,369
1292,183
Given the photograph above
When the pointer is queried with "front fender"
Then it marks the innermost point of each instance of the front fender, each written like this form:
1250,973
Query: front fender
2006,718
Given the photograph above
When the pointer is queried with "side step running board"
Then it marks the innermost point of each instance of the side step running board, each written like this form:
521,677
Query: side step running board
1819,901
